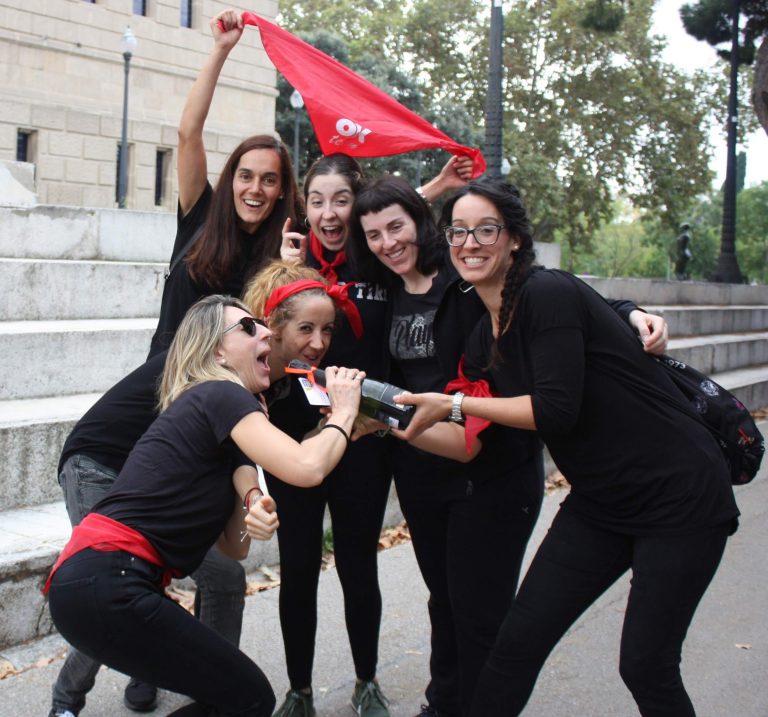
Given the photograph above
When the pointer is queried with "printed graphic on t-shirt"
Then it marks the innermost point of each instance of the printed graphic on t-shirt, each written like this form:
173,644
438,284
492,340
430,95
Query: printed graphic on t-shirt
369,292
412,336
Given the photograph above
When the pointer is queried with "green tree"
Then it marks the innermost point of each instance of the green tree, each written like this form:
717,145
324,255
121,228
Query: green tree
589,112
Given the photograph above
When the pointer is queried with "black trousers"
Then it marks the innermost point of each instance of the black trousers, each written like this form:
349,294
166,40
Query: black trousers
356,493
469,536
574,565
109,605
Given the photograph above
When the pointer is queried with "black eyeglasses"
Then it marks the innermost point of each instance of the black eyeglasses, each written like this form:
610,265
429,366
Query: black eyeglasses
249,325
485,234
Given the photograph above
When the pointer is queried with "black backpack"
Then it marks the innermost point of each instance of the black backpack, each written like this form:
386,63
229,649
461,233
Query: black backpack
724,415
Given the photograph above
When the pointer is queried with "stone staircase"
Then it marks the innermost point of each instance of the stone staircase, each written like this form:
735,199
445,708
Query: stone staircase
81,290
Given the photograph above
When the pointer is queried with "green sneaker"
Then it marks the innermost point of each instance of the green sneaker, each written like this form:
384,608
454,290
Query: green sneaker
297,704
369,701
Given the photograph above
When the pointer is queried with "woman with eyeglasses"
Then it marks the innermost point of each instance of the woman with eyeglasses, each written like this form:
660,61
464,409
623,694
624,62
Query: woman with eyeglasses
226,235
471,506
191,482
650,491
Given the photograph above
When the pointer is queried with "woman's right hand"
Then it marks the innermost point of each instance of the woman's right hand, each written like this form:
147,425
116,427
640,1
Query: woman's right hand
343,386
294,245
227,28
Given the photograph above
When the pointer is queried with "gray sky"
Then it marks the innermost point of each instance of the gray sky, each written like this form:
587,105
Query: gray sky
687,53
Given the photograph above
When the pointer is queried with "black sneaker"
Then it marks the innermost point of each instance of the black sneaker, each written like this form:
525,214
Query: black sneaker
61,712
139,696
427,711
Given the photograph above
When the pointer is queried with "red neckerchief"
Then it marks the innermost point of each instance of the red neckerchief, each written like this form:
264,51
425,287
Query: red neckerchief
101,533
327,268
472,425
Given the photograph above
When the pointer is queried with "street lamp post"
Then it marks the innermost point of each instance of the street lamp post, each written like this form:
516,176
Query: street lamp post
493,106
297,102
727,270
128,45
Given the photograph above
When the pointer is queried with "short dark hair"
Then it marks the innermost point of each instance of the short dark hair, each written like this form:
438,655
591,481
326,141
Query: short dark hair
377,196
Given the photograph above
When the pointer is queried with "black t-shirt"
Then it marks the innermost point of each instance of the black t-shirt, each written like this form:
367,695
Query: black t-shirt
367,353
108,431
181,290
176,486
637,457
412,336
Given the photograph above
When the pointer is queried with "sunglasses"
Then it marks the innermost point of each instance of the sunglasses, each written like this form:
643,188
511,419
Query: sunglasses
249,325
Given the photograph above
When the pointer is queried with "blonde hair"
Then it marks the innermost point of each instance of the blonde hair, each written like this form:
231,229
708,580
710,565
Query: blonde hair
276,274
192,355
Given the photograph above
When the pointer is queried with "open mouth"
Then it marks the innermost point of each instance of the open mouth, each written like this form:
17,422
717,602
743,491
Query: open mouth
473,260
253,203
396,254
333,234
263,359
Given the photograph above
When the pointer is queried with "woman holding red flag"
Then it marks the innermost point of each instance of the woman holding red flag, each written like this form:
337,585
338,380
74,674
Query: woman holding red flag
225,235
356,491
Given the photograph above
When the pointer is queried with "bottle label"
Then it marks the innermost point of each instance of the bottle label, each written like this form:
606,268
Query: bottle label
315,395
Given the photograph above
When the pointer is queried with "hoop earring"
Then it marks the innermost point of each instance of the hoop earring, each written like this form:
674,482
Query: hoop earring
306,222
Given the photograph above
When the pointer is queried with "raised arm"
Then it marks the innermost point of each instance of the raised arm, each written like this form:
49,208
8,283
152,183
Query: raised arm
192,165
456,172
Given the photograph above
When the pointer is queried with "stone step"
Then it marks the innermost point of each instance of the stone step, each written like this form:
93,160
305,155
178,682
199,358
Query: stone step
712,319
649,292
717,353
32,433
56,232
48,358
48,289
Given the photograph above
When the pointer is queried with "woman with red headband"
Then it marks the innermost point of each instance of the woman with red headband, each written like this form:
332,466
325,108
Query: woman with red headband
302,319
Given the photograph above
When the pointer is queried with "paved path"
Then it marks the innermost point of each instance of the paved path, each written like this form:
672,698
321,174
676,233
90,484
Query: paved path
725,658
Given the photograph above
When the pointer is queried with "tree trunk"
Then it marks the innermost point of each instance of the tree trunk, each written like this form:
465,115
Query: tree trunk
760,86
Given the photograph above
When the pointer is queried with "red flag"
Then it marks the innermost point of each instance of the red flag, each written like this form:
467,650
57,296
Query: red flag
348,113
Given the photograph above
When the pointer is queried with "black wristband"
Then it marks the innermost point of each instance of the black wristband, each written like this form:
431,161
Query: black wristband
339,429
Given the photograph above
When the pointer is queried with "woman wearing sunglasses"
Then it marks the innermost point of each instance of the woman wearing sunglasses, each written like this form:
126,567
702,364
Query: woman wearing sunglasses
190,482
650,491
396,243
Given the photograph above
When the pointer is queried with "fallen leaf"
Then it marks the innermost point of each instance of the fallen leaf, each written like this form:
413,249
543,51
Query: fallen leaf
743,646
7,669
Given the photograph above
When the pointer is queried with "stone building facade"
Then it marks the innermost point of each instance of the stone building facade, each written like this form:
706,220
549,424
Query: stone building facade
61,93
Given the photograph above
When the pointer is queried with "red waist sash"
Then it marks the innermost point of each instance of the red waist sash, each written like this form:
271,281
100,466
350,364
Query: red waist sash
100,533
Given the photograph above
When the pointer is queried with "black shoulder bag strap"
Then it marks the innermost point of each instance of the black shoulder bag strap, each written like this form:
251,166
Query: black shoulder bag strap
184,251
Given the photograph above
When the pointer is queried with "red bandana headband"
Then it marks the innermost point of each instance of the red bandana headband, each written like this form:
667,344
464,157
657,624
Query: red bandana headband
337,292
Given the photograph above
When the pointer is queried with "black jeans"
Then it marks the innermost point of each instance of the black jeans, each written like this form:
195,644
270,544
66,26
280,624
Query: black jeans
356,493
219,599
110,606
469,537
574,565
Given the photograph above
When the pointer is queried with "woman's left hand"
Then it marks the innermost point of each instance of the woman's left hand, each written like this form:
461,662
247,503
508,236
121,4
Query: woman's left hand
652,329
430,408
261,521
294,245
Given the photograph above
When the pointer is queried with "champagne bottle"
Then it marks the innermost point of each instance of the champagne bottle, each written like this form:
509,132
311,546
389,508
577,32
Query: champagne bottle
376,401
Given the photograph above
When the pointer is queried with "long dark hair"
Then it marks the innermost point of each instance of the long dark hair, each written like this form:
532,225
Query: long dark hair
377,196
216,255
338,163
506,198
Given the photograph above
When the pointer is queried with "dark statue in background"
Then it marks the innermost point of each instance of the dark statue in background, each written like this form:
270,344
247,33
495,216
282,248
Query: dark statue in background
683,252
